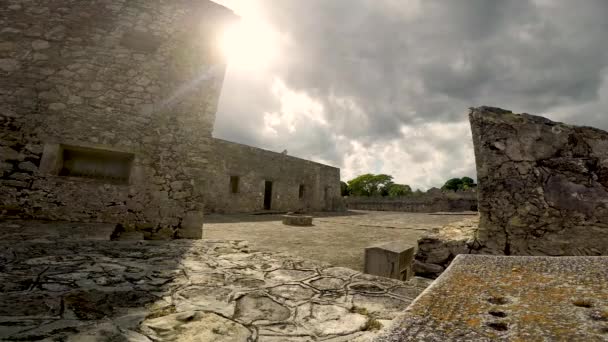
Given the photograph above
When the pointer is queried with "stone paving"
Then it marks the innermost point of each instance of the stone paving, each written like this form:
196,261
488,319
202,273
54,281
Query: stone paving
58,288
337,238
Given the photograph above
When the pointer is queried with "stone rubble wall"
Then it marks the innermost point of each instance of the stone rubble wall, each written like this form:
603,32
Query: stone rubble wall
437,248
254,166
136,76
543,190
426,203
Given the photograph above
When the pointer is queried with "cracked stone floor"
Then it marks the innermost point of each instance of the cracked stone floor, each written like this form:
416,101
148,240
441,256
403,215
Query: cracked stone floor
71,285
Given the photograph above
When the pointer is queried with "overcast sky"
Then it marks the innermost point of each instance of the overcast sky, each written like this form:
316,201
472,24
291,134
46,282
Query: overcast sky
383,86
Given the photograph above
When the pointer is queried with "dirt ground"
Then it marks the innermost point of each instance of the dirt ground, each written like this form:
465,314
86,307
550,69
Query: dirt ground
336,238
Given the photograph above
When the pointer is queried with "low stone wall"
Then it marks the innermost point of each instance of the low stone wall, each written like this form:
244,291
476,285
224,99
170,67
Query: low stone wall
450,202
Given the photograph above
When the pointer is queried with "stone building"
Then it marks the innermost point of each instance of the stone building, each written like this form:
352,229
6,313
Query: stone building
107,110
246,179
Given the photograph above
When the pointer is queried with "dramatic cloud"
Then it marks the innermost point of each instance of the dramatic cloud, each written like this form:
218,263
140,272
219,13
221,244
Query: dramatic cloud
384,85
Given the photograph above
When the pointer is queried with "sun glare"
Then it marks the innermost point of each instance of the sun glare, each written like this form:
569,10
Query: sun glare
250,45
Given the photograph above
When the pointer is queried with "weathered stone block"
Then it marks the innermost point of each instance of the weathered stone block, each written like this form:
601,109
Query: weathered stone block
297,220
390,260
543,185
518,298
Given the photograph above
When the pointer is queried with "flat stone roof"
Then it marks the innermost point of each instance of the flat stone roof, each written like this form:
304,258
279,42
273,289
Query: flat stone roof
510,298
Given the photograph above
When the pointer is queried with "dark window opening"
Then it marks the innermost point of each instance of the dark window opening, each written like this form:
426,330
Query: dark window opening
234,184
141,41
267,195
301,191
92,163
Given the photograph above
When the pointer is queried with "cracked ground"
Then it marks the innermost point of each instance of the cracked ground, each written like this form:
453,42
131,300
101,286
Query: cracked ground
71,285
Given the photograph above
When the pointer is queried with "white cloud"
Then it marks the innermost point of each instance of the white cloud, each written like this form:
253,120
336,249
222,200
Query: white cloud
384,86
418,157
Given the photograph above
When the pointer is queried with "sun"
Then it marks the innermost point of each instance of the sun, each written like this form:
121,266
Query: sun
250,45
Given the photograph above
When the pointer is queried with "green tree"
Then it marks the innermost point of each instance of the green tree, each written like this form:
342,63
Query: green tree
369,184
453,184
396,190
467,183
456,184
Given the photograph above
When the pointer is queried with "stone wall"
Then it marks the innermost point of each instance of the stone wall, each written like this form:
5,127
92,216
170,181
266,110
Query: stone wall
253,167
543,185
105,80
426,203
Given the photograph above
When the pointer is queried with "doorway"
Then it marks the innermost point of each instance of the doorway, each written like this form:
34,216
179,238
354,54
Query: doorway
267,195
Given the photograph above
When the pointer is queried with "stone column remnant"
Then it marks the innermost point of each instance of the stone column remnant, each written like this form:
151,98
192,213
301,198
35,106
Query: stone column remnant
543,185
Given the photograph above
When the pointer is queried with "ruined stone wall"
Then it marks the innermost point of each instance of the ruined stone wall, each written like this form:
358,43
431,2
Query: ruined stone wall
543,185
139,77
253,167
427,203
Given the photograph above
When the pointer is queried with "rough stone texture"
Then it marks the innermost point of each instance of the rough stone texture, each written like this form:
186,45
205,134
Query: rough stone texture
430,202
185,290
543,185
139,77
297,220
140,80
543,190
254,166
438,247
519,298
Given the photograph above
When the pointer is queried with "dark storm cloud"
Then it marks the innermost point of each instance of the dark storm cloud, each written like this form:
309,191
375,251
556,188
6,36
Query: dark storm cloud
377,66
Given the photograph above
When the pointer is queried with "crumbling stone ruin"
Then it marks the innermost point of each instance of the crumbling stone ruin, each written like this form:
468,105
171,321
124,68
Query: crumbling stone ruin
542,186
438,247
107,110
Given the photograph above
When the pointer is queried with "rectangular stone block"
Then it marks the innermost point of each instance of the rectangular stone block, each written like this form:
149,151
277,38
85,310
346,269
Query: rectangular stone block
390,260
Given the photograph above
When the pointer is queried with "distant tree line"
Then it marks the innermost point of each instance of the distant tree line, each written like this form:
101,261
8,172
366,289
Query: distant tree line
457,184
383,185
